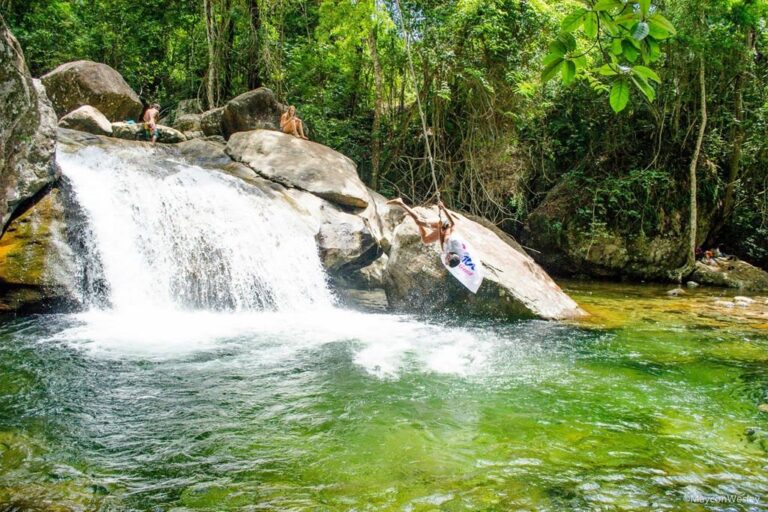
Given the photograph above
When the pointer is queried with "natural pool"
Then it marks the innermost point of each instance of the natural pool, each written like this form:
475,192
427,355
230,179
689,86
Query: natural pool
647,405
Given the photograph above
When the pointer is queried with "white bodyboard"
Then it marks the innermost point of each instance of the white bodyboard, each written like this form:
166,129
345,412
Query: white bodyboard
470,271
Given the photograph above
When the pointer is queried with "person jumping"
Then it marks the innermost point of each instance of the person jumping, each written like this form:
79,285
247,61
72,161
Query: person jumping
439,231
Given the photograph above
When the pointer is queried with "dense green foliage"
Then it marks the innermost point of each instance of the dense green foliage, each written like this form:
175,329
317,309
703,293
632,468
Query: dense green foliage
502,135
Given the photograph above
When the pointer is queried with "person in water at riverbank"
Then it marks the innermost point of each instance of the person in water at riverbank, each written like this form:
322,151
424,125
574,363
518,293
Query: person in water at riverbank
150,119
439,231
291,124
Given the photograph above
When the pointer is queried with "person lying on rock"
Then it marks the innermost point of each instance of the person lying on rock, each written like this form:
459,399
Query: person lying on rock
441,230
291,124
150,121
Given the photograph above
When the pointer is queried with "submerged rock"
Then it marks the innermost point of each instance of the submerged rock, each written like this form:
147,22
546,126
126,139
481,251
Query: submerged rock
300,164
253,110
84,82
676,292
87,119
27,130
514,284
731,274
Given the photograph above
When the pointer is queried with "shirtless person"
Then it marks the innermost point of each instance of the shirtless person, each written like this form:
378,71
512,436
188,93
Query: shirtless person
291,124
150,121
439,231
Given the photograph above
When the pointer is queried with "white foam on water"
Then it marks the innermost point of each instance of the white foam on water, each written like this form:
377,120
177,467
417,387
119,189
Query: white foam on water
382,345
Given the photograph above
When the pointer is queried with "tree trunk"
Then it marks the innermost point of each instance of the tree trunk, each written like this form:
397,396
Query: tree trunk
694,165
212,78
255,74
376,129
734,167
228,31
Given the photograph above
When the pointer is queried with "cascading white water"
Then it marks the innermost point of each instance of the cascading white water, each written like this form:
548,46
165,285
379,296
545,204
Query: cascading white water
169,235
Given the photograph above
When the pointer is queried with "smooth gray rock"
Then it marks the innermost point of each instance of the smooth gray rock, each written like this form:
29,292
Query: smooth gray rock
253,110
300,164
514,284
84,82
27,130
87,119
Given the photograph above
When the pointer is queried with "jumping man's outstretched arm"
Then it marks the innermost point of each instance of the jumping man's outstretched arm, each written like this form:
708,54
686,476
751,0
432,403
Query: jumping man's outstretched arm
442,208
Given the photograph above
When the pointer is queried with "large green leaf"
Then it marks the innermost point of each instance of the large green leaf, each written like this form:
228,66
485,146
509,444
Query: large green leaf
606,5
644,6
552,57
644,87
607,70
573,20
619,95
646,73
569,72
630,52
551,70
660,21
590,25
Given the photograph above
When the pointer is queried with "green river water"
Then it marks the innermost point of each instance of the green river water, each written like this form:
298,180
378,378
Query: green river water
651,404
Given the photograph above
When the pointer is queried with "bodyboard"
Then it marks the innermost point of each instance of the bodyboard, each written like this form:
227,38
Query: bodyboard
470,271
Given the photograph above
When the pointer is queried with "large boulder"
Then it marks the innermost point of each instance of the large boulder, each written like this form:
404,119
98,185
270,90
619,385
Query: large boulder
567,242
188,123
731,273
33,254
301,164
27,130
210,122
84,82
252,110
135,131
87,119
514,284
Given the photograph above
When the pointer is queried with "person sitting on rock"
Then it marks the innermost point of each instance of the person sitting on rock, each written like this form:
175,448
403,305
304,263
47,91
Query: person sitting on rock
440,230
150,121
291,124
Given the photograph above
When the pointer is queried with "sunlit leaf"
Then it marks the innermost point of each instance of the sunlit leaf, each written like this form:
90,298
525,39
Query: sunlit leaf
573,20
551,70
569,72
619,95
646,73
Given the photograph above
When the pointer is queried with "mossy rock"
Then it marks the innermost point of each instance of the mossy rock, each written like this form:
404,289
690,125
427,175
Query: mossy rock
28,276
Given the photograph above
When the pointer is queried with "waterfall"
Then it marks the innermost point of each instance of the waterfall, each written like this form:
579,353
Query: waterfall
168,235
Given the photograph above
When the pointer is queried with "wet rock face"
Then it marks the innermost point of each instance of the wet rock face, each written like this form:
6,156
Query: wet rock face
31,253
301,164
253,110
27,130
87,119
84,82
